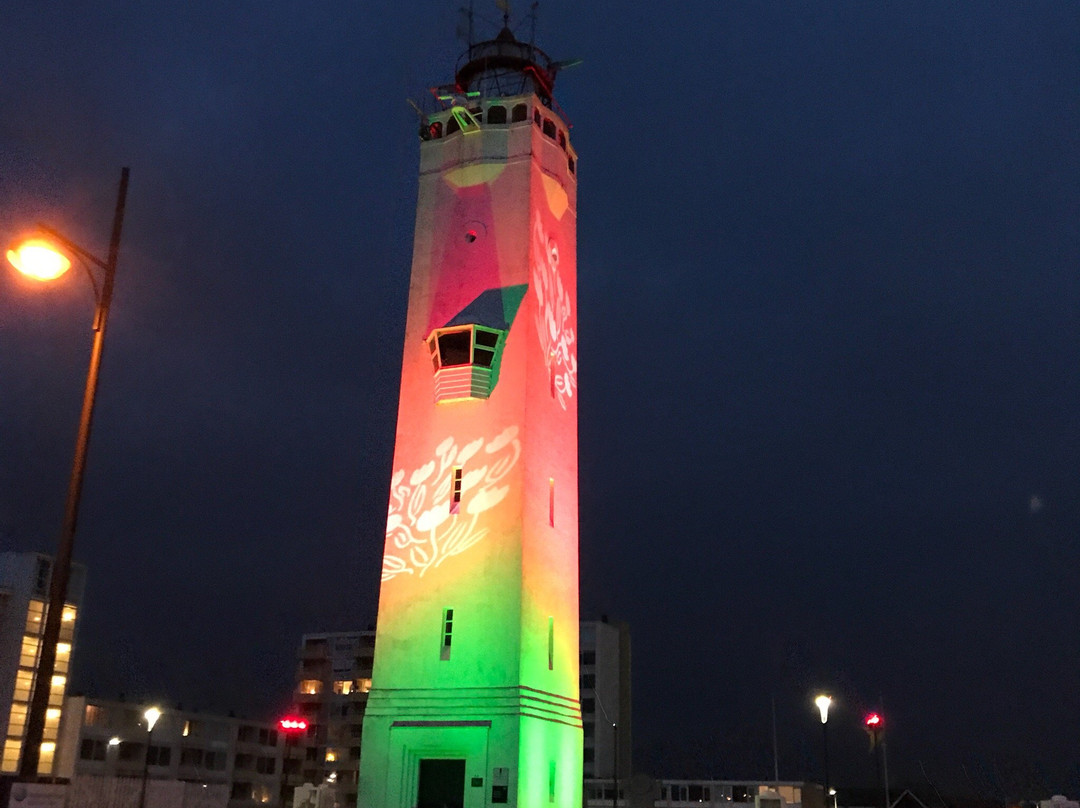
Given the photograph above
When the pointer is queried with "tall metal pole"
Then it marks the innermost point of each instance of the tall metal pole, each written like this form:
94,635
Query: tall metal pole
775,746
146,766
825,743
61,569
885,765
615,765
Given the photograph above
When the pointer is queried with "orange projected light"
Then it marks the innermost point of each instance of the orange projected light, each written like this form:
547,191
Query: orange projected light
38,259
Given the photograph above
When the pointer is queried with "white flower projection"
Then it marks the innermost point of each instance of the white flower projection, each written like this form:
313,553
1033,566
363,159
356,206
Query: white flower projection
554,315
421,530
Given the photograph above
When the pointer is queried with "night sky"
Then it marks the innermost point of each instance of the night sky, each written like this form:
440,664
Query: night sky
829,268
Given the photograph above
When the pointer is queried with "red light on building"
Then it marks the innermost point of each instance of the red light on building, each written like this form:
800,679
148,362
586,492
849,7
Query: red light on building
874,722
290,724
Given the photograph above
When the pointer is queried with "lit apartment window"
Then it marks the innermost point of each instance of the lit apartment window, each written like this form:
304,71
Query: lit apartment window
45,761
12,748
363,685
33,617
344,687
23,680
310,687
17,719
28,655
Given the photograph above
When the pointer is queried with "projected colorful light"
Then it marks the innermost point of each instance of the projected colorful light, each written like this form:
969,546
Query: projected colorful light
475,685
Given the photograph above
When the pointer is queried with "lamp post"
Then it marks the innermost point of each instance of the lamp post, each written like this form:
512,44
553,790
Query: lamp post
875,728
291,727
39,258
151,715
614,751
823,702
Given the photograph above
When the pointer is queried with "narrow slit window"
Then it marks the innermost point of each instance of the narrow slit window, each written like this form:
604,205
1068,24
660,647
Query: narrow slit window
447,634
455,490
551,501
551,643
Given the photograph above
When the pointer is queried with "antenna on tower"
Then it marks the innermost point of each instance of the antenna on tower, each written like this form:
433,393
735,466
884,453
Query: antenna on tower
532,17
504,7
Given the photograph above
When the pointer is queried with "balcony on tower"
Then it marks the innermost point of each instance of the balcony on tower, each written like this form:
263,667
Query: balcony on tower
466,351
466,360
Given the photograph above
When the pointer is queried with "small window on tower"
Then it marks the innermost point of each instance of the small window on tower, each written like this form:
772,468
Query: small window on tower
447,633
496,114
455,348
519,113
455,490
452,126
562,140
537,119
570,164
435,129
486,341
551,643
549,128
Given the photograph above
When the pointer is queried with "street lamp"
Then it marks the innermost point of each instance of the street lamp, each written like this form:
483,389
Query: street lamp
151,715
875,728
40,257
823,702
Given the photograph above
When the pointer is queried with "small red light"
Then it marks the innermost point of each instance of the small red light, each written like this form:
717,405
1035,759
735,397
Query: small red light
873,721
291,724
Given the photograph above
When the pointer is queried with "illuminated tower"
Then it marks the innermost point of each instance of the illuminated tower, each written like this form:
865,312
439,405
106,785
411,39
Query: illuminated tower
475,697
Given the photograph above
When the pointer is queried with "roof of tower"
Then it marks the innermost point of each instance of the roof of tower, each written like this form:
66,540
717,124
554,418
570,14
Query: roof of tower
483,65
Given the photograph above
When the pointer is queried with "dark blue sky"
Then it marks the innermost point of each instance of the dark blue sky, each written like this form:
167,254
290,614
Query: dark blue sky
829,262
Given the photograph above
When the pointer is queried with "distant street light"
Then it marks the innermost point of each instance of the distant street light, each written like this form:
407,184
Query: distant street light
151,715
43,257
823,703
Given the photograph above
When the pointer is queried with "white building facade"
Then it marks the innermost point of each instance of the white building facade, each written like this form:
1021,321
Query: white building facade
109,740
605,699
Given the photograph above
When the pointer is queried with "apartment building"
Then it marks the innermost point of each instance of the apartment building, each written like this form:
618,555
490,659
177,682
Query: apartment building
24,595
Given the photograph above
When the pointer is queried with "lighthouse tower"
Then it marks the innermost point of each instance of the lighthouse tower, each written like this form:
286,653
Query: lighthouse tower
475,698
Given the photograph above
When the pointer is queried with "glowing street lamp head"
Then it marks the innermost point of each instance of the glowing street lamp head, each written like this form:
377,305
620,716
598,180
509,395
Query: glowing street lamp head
151,715
823,703
38,259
